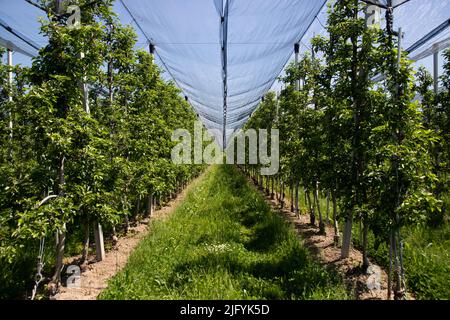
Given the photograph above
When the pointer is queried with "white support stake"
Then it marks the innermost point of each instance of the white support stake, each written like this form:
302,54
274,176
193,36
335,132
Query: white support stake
86,96
84,87
99,243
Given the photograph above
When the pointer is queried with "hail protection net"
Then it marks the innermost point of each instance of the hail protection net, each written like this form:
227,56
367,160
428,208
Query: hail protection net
226,54
384,3
20,26
425,25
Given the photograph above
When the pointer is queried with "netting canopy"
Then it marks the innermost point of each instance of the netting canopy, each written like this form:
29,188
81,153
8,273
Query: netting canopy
384,3
226,54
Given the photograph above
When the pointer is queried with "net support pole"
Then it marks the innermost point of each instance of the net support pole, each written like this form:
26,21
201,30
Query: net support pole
399,49
224,32
297,51
277,106
150,198
436,70
151,49
98,231
10,93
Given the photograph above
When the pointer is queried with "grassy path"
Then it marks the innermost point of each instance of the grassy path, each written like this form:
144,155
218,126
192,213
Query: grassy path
223,242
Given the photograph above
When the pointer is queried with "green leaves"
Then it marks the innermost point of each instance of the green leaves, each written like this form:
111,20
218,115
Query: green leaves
115,155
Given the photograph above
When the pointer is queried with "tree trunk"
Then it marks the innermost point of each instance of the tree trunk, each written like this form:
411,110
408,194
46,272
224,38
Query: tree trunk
396,267
277,193
337,236
390,267
138,208
149,205
278,189
366,262
297,210
319,211
127,224
402,270
361,236
306,197
399,293
347,239
60,245
60,234
85,252
114,237
292,197
272,194
312,214
282,194
328,208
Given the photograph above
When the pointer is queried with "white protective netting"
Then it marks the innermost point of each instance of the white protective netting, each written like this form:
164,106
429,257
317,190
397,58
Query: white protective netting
226,54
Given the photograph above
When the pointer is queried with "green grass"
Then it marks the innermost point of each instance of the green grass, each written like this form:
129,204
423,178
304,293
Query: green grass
426,260
223,242
426,257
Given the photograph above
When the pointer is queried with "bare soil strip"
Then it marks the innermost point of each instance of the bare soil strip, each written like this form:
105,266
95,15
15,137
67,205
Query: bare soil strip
322,247
95,276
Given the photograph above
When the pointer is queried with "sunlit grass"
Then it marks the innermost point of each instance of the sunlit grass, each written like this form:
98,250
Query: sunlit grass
223,242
